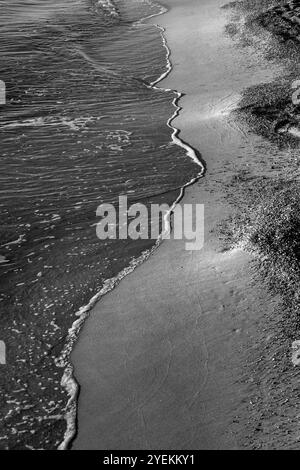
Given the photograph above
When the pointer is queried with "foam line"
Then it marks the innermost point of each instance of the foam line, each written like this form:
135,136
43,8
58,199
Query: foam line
68,381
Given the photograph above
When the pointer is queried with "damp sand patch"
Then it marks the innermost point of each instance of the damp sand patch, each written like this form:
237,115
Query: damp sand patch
268,109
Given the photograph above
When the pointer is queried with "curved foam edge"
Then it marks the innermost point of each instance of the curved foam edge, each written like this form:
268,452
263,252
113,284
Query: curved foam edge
68,381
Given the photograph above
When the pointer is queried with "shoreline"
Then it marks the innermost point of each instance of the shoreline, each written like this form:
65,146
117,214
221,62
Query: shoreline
69,382
59,264
169,359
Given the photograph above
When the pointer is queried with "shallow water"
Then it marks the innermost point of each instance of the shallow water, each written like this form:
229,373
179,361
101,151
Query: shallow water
80,127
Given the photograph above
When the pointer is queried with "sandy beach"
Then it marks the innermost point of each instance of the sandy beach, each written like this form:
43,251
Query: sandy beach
181,355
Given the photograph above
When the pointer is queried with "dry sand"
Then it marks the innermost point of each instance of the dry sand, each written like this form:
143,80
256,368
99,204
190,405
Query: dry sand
164,359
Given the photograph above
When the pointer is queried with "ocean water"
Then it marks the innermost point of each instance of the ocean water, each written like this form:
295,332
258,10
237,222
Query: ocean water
81,126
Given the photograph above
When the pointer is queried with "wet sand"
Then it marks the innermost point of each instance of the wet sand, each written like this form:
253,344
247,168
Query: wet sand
165,361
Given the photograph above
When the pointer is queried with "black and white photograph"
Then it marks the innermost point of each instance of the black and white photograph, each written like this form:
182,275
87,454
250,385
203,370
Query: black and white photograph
150,228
